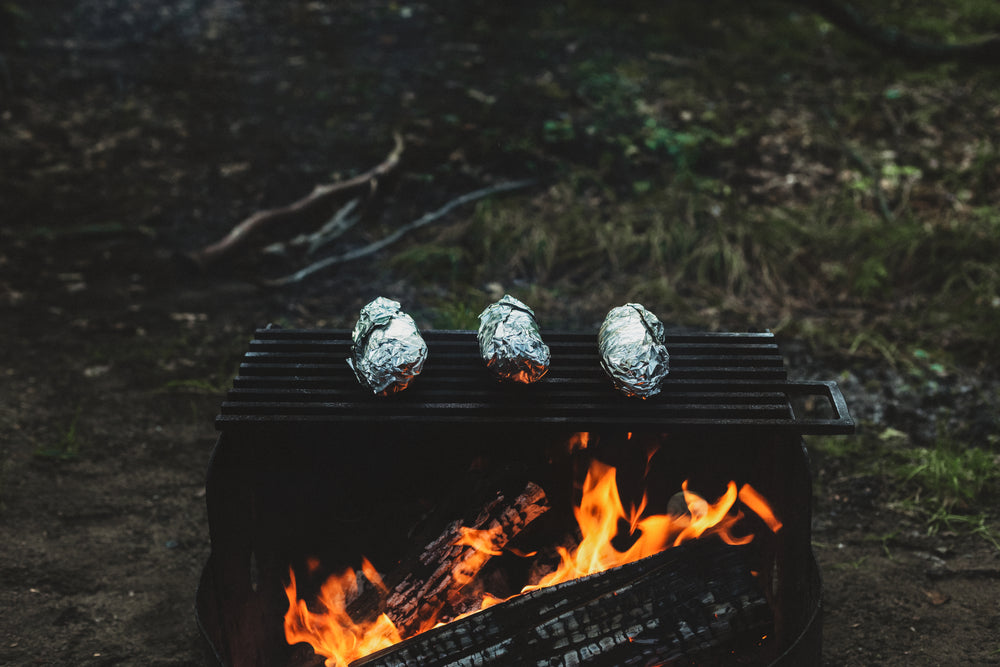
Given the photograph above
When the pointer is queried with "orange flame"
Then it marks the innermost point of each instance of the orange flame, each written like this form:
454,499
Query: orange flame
756,502
331,631
480,540
600,510
333,634
578,441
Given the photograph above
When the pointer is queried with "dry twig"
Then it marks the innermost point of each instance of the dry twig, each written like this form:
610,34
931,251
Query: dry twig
341,222
245,230
423,221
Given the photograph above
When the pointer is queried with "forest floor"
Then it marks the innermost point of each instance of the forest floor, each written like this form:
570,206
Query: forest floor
730,168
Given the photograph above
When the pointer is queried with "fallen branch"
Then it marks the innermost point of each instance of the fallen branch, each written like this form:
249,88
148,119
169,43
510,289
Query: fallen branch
894,42
248,228
341,222
423,221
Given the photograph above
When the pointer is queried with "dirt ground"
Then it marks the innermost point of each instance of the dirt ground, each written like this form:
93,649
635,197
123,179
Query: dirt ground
132,131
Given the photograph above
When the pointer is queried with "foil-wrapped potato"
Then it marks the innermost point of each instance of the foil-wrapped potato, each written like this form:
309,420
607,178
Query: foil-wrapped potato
632,350
388,350
509,342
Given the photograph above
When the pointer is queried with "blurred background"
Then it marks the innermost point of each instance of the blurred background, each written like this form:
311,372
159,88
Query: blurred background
827,173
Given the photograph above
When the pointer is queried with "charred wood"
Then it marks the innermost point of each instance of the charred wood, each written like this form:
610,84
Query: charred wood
420,587
692,604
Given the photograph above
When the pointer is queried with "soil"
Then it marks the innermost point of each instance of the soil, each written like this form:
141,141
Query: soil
133,131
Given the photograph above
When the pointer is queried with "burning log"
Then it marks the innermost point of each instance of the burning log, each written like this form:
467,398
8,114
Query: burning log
420,588
675,605
699,601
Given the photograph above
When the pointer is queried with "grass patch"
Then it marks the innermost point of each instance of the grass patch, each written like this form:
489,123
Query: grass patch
851,565
5,467
67,447
951,486
979,524
766,170
437,263
456,316
699,257
951,476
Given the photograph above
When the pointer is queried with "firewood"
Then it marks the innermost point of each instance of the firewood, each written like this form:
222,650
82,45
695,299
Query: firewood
420,587
695,602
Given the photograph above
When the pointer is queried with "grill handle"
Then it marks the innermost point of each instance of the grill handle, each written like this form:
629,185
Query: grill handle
840,424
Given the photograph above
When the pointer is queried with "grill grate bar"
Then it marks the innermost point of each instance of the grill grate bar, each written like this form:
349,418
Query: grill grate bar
262,336
300,395
352,409
461,358
716,380
433,374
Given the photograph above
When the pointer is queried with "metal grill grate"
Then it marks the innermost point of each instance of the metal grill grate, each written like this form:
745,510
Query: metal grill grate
717,380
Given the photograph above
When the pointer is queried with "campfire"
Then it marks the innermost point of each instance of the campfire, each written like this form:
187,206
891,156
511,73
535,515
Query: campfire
464,521
462,552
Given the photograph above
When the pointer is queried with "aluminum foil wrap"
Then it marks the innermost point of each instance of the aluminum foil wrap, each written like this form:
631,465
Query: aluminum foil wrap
632,350
388,350
510,343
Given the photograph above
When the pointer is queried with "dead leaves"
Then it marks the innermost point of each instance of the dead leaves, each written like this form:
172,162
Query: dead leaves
937,598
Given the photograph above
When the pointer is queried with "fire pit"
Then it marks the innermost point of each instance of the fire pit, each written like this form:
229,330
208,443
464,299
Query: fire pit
312,474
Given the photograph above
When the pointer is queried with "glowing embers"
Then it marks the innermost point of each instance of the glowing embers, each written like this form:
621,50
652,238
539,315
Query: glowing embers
610,536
